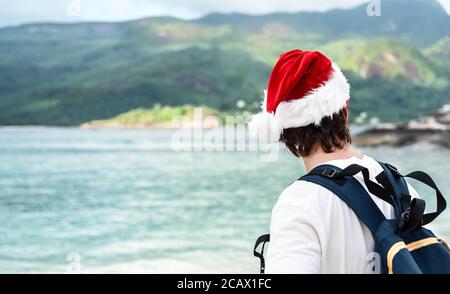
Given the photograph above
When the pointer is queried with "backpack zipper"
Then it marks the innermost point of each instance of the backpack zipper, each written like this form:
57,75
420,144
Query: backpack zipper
444,243
411,247
391,254
422,243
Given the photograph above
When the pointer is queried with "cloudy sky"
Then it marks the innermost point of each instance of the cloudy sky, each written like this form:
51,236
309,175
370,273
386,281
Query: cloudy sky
13,12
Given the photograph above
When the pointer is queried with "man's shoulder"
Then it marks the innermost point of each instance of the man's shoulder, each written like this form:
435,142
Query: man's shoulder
303,193
306,202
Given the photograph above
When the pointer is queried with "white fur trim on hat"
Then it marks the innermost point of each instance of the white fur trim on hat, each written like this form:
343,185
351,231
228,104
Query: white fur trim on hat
322,102
265,127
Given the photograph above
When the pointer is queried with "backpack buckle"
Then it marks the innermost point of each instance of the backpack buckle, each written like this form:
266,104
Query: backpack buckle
412,217
329,172
404,219
394,170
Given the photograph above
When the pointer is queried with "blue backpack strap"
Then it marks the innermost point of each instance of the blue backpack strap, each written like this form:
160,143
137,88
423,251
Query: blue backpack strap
412,210
391,180
349,190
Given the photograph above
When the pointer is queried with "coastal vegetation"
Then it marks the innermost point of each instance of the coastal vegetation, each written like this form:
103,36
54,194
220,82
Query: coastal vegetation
69,74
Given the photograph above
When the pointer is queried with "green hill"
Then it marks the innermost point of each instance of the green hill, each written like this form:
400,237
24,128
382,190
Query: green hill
416,21
210,77
67,74
388,59
439,54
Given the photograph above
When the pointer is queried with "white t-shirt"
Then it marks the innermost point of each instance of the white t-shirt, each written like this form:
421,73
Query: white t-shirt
313,231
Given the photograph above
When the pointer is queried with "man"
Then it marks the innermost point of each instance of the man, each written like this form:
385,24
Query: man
312,230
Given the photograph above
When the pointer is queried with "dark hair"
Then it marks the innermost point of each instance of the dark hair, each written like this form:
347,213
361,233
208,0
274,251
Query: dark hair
332,133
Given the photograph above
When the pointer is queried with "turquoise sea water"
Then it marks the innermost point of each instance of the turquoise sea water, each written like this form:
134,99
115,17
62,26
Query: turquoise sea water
117,201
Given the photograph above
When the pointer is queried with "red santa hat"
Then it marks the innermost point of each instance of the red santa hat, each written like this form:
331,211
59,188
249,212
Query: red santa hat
304,87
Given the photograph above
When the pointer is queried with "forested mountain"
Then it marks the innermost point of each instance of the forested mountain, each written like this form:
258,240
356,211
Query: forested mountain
67,74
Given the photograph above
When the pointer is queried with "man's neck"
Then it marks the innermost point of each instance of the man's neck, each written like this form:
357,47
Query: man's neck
319,156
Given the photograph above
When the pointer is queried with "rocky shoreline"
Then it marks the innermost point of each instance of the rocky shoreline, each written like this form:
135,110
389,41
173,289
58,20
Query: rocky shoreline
434,129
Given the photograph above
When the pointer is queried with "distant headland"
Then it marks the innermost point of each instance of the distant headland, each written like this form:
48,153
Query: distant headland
434,129
163,117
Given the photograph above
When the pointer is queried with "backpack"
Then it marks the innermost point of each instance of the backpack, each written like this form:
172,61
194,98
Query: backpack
402,243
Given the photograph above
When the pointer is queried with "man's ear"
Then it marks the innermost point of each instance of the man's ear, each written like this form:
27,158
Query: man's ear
346,110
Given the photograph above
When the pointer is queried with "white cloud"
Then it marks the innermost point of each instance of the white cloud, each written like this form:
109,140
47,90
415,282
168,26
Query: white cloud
446,5
23,11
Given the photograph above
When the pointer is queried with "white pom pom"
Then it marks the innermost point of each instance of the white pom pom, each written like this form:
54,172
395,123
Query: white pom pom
265,126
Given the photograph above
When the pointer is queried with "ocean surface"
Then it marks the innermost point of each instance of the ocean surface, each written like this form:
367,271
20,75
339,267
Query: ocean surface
127,201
